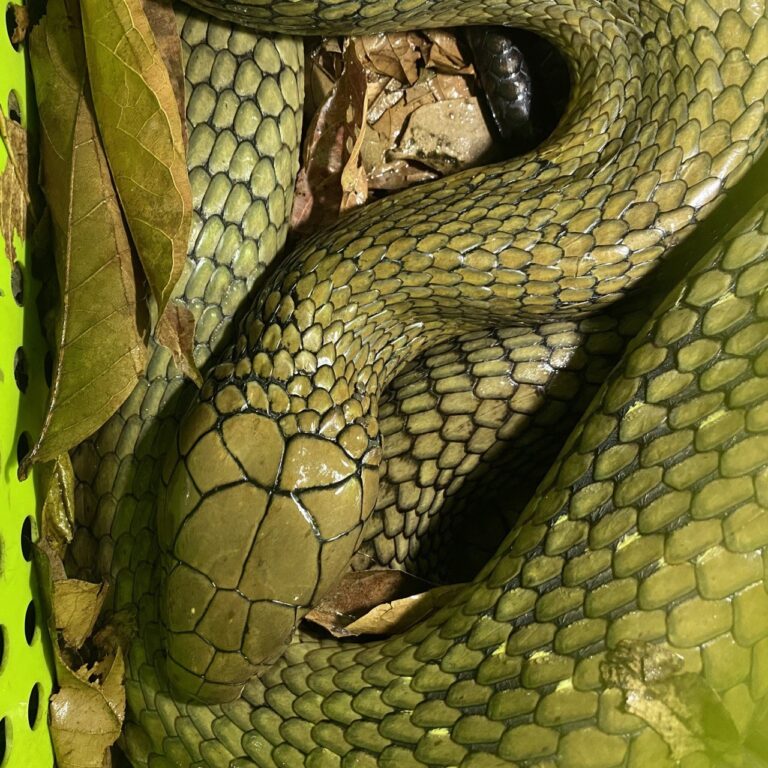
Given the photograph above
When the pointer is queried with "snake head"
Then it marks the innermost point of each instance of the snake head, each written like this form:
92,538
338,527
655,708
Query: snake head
255,525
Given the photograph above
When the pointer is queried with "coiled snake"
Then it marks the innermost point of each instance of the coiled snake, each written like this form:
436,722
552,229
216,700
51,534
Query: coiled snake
479,299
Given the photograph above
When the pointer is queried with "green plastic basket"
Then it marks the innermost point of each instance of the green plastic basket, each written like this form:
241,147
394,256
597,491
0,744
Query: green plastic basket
25,668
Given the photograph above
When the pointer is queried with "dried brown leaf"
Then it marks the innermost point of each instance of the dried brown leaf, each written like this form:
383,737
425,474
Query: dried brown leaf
446,136
176,331
14,193
393,54
324,64
76,606
402,73
87,713
57,479
377,602
443,53
383,95
20,23
333,140
100,351
396,616
140,124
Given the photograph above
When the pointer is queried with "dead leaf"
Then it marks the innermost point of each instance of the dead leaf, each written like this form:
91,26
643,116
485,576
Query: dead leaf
176,331
20,27
139,122
378,602
76,606
100,352
324,64
447,136
14,192
442,52
395,617
332,148
403,73
162,20
392,54
57,479
87,713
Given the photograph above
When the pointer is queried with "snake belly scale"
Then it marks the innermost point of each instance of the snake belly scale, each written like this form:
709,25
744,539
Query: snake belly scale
496,287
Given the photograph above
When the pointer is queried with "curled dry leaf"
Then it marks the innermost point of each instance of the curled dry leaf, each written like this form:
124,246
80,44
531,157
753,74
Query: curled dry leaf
175,330
14,193
329,181
323,64
87,712
140,124
378,602
392,54
100,351
74,604
57,479
20,23
396,616
76,607
400,74
442,52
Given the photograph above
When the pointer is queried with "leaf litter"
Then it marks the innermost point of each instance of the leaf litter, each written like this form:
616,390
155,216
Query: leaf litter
87,710
140,125
15,201
100,346
388,111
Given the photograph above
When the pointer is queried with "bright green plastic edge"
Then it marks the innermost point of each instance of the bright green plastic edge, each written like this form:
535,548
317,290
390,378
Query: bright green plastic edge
25,666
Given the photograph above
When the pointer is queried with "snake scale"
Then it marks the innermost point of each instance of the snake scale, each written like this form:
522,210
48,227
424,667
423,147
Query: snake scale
490,306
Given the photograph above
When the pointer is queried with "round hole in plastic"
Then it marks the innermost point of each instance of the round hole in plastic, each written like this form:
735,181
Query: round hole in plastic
22,446
33,705
30,622
17,284
26,538
4,739
14,108
20,372
11,24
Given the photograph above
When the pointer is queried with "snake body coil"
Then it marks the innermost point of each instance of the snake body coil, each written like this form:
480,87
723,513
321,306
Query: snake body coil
477,299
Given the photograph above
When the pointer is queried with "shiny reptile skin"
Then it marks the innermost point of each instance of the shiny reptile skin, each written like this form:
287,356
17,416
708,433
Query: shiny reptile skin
494,303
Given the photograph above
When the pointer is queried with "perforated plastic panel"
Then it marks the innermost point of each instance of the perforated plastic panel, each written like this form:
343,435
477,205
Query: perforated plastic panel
25,677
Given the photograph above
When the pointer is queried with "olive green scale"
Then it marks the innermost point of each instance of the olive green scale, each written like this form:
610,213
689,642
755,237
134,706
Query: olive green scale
490,306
